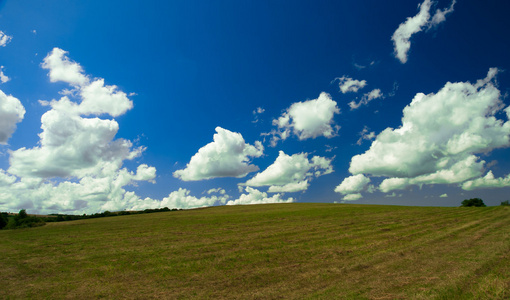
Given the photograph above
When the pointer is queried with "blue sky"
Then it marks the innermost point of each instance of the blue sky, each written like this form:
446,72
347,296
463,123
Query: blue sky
114,105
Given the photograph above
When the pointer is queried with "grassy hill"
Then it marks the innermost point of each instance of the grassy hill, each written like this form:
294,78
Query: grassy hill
265,251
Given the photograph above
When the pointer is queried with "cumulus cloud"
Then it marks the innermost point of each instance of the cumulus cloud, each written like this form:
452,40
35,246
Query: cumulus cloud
178,199
4,39
374,94
291,173
87,194
99,98
352,186
254,196
289,187
6,179
71,145
63,69
439,137
401,37
227,156
308,119
77,164
352,197
347,84
395,183
488,181
11,113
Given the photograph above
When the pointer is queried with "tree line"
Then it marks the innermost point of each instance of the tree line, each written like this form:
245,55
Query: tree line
23,220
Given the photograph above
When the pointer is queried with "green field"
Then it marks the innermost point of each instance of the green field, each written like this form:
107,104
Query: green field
324,251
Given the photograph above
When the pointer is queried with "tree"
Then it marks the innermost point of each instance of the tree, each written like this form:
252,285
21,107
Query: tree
23,220
22,214
3,220
505,203
475,202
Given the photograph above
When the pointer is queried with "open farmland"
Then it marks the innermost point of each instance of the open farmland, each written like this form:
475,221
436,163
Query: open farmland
264,252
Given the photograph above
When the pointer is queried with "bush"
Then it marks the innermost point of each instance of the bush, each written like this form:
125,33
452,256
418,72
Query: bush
23,220
473,202
505,203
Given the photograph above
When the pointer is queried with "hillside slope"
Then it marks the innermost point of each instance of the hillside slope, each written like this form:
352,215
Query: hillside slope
266,251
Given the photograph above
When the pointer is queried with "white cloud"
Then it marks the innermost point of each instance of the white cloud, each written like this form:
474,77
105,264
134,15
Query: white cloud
6,179
488,181
353,184
289,187
11,113
259,110
100,99
4,39
71,145
256,114
401,37
352,197
291,173
444,196
227,156
440,15
77,164
395,183
365,135
308,119
3,78
87,195
178,199
347,84
374,94
255,196
63,69
216,191
439,137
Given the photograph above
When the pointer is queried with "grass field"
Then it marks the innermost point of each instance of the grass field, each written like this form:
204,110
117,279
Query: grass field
324,251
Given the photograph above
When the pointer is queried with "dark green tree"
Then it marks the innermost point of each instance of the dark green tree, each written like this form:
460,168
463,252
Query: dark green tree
505,203
473,202
22,214
3,220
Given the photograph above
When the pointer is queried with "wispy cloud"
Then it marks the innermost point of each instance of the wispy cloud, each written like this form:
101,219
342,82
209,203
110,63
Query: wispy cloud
256,113
3,77
401,37
4,39
374,94
347,84
365,135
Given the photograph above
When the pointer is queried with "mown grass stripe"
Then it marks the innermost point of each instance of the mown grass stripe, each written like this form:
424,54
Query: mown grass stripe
267,251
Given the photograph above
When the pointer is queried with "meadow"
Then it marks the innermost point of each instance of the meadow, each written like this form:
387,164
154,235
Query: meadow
274,251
